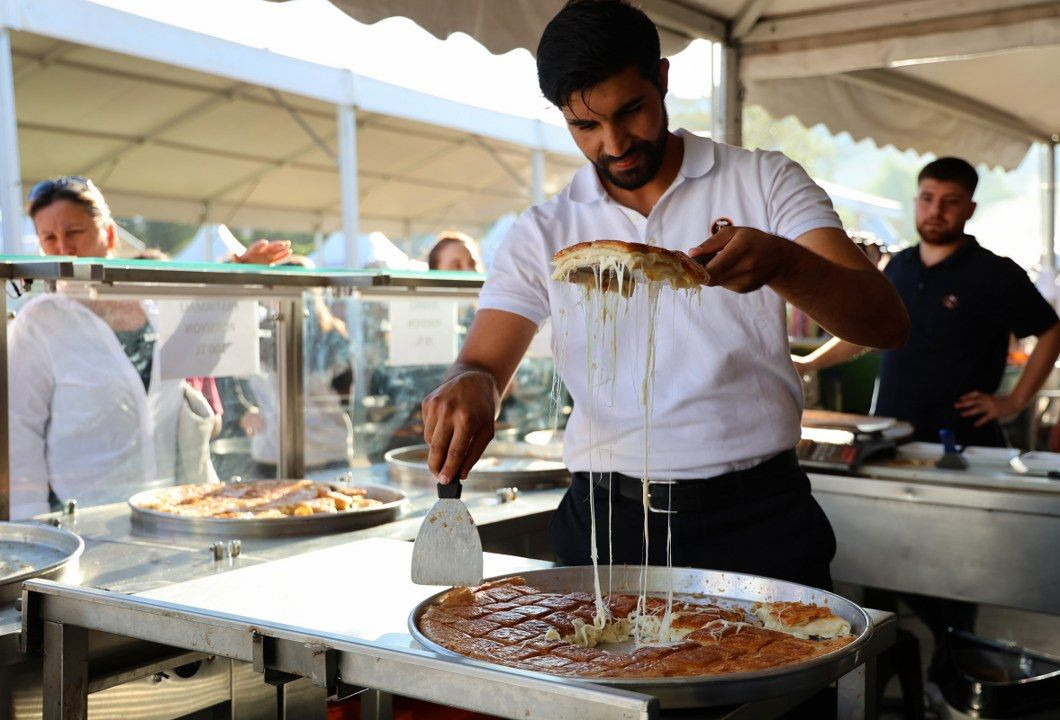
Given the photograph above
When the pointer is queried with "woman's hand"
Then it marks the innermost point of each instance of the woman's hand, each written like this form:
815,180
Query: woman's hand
265,252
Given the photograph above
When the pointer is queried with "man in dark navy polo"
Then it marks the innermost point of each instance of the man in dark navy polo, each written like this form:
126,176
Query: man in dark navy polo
964,303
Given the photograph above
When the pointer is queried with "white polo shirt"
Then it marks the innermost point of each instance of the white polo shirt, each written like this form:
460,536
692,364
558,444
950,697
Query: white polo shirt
726,395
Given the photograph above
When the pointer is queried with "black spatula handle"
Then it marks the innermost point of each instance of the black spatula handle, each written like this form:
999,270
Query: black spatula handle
450,490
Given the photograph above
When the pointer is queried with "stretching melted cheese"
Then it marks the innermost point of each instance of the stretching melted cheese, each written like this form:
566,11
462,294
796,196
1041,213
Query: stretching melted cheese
614,276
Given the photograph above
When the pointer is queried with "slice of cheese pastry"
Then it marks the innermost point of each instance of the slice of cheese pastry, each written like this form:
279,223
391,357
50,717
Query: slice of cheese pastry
617,265
801,620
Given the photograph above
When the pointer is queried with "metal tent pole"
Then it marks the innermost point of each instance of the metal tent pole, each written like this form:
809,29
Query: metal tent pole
1049,170
538,176
351,210
727,96
10,170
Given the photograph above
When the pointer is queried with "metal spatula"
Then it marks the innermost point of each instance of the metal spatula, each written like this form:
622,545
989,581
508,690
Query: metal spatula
448,550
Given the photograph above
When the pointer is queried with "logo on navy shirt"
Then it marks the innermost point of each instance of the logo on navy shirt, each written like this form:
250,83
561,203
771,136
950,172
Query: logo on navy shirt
950,302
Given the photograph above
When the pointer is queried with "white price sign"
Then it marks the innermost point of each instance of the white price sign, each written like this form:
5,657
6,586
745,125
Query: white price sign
422,332
207,338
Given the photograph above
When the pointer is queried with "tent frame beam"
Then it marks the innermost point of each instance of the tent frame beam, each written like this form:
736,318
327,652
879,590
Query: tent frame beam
10,165
682,19
746,19
919,17
271,163
115,156
49,57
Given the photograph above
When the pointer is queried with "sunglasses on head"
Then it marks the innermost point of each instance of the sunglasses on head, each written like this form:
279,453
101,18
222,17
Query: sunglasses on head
46,186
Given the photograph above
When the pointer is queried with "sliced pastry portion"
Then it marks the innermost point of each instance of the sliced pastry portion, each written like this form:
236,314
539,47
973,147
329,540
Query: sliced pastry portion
801,620
617,266
509,622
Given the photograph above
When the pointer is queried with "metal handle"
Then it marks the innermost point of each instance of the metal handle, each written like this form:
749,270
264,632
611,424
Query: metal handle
450,490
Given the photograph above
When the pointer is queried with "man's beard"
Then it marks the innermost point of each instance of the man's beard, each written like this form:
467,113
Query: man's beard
939,237
651,154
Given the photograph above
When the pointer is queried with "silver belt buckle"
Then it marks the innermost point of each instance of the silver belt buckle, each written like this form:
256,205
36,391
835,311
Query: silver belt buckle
652,508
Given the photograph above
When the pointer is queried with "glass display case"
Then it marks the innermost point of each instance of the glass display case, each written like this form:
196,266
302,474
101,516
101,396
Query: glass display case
126,375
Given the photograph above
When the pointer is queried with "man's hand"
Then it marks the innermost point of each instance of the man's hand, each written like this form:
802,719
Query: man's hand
988,407
266,252
745,259
458,422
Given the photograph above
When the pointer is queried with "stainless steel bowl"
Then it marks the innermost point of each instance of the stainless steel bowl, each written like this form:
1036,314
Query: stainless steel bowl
154,521
50,552
728,588
503,464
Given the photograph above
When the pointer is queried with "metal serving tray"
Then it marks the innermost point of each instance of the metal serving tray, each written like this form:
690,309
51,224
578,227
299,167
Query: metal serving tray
729,589
503,464
51,553
154,521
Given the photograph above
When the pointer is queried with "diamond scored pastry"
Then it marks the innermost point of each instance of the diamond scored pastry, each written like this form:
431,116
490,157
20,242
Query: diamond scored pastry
510,623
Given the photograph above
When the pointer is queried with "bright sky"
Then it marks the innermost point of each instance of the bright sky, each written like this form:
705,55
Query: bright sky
395,50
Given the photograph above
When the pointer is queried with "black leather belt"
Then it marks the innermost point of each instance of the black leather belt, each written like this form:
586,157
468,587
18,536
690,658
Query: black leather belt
770,477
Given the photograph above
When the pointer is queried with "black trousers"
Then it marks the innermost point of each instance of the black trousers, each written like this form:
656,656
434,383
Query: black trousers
772,527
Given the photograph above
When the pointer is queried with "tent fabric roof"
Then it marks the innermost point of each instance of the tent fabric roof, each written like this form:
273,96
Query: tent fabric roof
502,27
182,126
979,77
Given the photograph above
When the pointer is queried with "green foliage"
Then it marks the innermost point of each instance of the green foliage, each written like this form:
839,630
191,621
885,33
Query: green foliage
168,237
814,149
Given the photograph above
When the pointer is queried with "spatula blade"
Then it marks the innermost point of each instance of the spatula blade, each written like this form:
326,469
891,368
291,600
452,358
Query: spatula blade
448,550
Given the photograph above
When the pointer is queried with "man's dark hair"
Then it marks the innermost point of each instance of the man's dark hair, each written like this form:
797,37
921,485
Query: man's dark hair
591,40
951,169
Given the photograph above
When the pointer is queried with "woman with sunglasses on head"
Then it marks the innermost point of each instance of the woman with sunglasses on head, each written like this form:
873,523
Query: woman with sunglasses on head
90,418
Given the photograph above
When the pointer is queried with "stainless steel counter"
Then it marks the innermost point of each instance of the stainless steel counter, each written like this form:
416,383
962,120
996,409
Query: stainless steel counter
981,535
336,615
122,558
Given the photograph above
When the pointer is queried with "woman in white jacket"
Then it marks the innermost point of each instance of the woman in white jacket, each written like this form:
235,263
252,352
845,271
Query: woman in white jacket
89,416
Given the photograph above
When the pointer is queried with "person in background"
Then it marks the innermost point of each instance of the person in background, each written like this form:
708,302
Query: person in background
86,404
454,251
965,303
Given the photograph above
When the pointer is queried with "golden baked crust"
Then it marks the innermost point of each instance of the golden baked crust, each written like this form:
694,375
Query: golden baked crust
258,499
509,623
656,263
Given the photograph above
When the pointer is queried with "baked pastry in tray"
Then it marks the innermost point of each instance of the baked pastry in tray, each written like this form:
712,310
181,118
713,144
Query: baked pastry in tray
616,265
510,623
258,499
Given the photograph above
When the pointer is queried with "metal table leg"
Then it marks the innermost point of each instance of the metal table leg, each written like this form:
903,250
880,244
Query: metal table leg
857,692
65,672
377,705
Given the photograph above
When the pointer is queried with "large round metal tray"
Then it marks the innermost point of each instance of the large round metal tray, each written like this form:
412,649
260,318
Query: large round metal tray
729,589
503,464
154,521
51,553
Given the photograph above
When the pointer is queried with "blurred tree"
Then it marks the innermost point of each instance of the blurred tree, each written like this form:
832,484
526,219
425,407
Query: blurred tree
814,149
166,236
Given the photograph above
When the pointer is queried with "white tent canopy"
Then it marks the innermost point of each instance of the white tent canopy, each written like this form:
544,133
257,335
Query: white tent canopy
184,126
976,78
371,250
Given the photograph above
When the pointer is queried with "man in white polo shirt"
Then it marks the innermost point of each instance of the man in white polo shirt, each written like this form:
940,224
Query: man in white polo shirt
727,403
